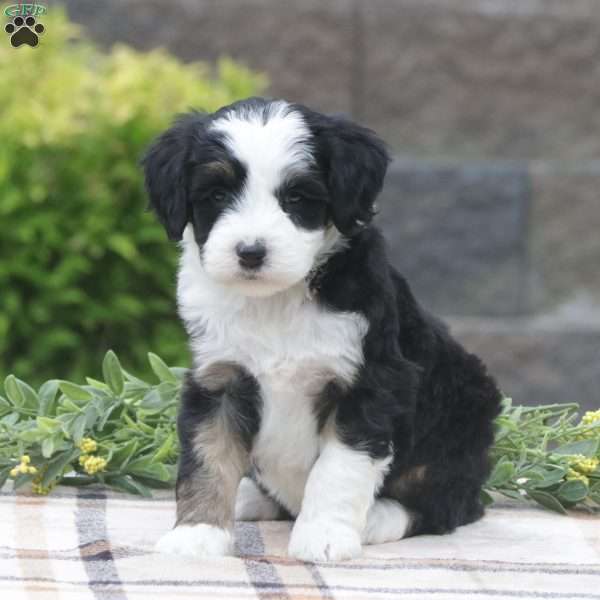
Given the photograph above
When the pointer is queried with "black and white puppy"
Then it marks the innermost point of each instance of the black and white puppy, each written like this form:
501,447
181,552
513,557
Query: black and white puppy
320,388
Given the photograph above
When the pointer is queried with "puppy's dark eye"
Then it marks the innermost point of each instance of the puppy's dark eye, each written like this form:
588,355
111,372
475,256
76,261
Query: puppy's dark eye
293,199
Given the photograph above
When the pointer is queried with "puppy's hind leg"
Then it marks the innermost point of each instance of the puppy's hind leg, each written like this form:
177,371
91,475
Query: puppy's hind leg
252,504
387,521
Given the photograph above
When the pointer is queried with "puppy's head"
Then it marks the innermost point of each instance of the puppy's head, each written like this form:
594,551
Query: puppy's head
267,187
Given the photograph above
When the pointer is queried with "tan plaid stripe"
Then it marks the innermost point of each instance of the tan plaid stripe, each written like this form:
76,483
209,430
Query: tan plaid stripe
97,545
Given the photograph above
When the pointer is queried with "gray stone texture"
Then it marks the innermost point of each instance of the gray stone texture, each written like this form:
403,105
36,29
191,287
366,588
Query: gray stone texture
306,48
565,233
470,78
485,78
494,238
456,232
537,365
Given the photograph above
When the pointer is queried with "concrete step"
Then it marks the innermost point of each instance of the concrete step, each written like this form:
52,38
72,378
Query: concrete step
467,78
541,360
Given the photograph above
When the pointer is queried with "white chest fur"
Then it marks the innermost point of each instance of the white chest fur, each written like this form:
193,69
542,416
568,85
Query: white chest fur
292,346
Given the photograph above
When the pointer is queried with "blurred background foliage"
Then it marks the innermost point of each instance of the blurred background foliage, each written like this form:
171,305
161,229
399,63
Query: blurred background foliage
83,266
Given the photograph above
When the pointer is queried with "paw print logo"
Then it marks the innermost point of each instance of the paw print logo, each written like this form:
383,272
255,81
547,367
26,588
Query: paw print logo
24,31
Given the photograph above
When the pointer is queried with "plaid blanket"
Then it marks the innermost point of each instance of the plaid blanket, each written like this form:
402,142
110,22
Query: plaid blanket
90,544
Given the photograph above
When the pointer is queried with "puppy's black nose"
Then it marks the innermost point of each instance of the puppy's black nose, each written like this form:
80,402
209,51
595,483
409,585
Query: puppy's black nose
251,256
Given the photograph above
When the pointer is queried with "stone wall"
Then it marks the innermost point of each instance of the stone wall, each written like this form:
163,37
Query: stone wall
510,253
462,78
493,107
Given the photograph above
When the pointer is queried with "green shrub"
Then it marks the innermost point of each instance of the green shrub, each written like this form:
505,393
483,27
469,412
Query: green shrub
83,266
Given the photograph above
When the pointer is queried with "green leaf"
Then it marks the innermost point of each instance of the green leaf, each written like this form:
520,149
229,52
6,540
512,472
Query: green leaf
165,449
10,419
160,369
48,447
31,397
113,373
47,397
74,392
135,380
550,478
486,499
57,464
155,483
547,501
20,394
77,429
573,491
107,414
139,463
533,474
48,425
153,401
91,416
97,384
587,448
151,471
144,428
123,455
125,434
13,392
124,483
67,405
5,405
4,474
513,494
502,473
32,435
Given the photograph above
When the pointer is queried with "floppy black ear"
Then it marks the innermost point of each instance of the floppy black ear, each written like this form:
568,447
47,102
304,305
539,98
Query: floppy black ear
165,166
355,162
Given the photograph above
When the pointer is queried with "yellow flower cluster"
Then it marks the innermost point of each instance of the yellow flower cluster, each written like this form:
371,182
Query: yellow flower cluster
23,467
572,475
584,465
88,445
92,464
591,417
580,467
38,488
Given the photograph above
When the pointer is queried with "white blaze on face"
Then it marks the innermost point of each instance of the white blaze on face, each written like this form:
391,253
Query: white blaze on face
270,148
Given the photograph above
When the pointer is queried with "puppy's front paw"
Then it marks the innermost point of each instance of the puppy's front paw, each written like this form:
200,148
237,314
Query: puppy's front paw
323,541
196,541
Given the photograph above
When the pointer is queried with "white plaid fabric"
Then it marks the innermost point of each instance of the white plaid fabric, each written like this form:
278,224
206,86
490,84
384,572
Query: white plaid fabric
93,544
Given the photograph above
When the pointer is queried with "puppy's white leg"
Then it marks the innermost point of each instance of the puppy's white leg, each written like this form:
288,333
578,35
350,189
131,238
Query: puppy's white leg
195,541
253,505
387,521
340,489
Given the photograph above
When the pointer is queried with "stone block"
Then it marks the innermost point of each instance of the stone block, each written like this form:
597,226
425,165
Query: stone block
494,78
565,233
457,233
